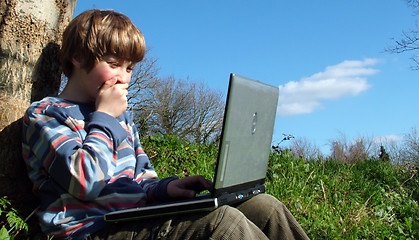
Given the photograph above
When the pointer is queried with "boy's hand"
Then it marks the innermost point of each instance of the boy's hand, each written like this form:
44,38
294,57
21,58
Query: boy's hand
112,98
188,187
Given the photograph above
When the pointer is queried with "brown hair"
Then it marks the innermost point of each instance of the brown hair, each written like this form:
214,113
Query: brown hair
96,33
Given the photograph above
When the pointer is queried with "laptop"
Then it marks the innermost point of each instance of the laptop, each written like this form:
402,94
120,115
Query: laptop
243,156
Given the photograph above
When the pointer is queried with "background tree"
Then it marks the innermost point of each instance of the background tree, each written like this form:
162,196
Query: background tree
303,148
409,42
383,156
207,114
352,151
144,78
413,4
190,110
171,105
30,35
411,147
143,81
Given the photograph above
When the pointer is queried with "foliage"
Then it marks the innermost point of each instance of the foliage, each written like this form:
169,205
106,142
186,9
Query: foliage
384,157
11,223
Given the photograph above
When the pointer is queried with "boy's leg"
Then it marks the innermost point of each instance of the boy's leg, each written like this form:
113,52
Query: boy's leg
272,217
223,223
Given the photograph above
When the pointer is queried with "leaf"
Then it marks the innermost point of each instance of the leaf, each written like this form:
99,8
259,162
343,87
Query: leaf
4,234
379,213
16,222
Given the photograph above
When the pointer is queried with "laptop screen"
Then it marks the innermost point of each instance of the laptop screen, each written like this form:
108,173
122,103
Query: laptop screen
247,132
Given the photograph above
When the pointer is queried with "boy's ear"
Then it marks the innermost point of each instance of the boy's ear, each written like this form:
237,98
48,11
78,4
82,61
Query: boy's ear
76,61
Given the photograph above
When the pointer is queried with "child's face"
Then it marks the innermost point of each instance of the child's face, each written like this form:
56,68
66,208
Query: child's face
109,68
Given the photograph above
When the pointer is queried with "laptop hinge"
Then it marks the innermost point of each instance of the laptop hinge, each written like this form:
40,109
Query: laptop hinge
239,196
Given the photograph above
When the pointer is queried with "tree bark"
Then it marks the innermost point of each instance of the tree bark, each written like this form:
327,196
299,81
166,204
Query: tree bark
30,36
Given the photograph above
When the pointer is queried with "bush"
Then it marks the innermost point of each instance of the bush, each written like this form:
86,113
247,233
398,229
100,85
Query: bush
12,224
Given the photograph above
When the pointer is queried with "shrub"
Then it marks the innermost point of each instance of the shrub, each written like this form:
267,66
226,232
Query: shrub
12,224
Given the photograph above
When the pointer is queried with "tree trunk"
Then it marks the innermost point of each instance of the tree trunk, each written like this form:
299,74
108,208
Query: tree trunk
30,36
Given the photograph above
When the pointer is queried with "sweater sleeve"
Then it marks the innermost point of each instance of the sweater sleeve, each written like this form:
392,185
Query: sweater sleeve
79,164
146,176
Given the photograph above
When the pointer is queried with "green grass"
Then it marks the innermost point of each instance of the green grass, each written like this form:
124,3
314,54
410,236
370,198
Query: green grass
172,157
331,200
364,200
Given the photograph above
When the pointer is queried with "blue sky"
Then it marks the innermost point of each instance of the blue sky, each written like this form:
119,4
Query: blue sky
326,56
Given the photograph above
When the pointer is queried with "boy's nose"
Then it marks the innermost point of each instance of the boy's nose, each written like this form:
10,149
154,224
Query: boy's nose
124,77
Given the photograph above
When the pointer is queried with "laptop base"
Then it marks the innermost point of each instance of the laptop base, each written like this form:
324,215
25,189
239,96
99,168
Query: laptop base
182,207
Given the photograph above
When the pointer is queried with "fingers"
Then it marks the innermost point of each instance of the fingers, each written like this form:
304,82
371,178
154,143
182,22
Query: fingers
184,193
110,83
112,98
188,187
113,82
202,184
197,183
106,85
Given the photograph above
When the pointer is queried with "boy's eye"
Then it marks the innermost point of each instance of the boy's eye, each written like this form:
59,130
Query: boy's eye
131,67
114,64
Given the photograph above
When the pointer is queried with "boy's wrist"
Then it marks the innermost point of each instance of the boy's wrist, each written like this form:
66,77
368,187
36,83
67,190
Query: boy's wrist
158,193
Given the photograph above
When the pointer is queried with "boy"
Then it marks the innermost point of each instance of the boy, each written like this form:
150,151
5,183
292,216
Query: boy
85,159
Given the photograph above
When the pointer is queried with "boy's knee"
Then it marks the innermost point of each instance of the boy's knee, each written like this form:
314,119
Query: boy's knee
229,212
264,202
267,199
233,224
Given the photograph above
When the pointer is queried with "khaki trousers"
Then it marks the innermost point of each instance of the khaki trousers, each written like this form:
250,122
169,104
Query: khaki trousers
261,217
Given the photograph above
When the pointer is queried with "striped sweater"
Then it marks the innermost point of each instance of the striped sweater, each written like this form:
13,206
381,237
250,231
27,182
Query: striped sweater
84,164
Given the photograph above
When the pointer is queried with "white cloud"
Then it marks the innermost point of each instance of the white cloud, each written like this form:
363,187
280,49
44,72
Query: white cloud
343,79
388,139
